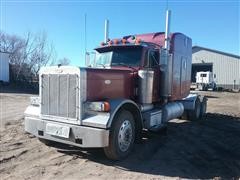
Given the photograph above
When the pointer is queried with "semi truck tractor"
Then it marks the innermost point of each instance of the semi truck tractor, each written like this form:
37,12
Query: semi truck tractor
138,82
205,81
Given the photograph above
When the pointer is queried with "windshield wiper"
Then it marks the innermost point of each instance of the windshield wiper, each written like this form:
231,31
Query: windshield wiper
123,64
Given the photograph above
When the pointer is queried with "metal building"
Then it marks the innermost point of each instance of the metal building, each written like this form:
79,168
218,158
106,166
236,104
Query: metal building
225,66
4,67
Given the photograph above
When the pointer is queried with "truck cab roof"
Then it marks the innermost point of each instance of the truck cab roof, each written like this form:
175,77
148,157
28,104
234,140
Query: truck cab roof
149,40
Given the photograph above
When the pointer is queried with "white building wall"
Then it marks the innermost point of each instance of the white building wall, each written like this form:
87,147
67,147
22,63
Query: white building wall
226,68
4,67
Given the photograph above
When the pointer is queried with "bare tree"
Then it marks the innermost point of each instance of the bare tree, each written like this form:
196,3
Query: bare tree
64,61
15,47
39,52
31,52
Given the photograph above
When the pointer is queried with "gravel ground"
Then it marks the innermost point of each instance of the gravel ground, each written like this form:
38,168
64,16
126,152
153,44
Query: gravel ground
196,150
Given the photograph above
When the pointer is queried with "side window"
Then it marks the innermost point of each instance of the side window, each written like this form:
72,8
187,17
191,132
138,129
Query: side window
152,59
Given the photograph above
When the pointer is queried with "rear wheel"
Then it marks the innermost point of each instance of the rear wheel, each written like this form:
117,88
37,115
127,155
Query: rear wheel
203,108
122,135
199,87
195,113
205,87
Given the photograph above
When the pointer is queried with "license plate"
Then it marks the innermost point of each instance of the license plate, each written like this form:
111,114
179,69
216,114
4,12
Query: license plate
57,130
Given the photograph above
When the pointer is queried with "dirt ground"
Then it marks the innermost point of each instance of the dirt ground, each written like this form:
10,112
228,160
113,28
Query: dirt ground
197,150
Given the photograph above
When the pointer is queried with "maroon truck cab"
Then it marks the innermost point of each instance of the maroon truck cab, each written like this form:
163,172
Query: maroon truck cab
120,80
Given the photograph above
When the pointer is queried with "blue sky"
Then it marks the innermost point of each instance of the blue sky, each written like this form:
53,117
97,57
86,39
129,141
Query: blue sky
212,24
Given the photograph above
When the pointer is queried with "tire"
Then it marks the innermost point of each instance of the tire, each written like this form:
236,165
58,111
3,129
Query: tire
200,87
195,113
214,87
185,115
122,136
203,108
203,87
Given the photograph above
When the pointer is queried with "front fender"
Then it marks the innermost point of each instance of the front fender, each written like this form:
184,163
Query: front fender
117,104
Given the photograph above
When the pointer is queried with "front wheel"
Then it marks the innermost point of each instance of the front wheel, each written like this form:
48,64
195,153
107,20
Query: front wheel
122,135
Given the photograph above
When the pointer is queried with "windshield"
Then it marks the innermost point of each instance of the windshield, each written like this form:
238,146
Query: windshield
103,59
119,56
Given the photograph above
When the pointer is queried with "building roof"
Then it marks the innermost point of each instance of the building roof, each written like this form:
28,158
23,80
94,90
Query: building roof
213,50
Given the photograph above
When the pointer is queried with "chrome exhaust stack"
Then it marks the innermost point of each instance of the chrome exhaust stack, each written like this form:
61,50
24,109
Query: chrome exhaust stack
166,62
106,31
167,31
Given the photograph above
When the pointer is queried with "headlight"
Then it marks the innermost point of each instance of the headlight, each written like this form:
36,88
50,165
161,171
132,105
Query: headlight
98,106
35,101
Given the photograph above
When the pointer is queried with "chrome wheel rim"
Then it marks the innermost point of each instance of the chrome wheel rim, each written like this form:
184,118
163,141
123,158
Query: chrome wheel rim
125,135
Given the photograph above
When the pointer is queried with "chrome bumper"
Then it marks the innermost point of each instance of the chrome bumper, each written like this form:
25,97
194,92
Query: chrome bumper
80,136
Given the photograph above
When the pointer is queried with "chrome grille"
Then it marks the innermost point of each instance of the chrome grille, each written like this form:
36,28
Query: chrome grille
60,95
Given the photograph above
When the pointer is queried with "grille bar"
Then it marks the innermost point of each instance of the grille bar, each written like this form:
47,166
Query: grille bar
60,95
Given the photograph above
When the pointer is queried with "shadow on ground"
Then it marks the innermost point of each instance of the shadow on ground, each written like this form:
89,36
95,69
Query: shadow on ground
204,149
211,97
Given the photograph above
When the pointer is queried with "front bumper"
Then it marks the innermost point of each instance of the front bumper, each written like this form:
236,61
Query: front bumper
80,136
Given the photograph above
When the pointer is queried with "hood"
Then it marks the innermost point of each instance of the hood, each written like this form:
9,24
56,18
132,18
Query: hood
103,84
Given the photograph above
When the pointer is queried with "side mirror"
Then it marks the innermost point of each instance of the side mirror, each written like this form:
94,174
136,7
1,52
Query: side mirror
87,59
90,58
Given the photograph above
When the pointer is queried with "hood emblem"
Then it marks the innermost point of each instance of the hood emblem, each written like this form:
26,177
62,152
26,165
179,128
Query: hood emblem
107,82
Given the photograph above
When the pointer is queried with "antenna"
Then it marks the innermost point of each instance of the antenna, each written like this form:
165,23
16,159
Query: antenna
85,32
85,38
167,30
166,4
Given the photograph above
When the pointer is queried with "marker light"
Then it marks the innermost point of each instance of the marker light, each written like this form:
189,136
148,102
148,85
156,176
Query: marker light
110,43
124,41
138,41
115,41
